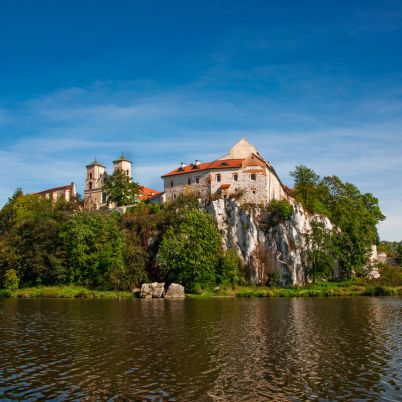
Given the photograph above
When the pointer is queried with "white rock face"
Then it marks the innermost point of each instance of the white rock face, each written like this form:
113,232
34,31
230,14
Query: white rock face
279,248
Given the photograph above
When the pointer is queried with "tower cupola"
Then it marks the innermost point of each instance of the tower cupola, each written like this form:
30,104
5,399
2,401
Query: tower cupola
123,164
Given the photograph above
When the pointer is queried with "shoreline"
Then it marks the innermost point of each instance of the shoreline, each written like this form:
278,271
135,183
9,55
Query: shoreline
322,289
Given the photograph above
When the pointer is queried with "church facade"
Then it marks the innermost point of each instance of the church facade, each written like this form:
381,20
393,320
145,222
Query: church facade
94,196
242,172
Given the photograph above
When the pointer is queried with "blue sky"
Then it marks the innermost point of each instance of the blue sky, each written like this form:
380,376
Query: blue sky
307,82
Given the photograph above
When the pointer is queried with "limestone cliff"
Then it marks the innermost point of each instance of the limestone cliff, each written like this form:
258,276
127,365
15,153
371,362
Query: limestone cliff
276,249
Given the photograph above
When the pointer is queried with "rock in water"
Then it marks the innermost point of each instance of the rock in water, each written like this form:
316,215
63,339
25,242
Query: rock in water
146,291
152,290
175,291
158,290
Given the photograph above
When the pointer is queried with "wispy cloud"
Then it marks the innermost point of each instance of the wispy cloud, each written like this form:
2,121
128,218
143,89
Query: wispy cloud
158,129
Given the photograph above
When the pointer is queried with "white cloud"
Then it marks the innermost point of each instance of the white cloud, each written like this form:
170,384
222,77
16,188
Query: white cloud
63,131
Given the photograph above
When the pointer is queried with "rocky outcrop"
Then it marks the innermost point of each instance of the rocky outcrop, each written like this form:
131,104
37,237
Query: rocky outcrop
175,291
276,249
156,290
152,290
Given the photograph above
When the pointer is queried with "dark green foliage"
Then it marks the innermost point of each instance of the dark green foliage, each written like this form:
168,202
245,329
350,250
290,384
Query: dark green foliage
189,253
121,189
306,183
321,254
276,212
30,243
354,213
230,269
94,248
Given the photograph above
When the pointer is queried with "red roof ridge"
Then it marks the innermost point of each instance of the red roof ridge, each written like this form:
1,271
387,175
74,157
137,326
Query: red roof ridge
217,164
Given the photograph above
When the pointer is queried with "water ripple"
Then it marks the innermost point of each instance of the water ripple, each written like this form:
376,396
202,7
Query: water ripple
201,350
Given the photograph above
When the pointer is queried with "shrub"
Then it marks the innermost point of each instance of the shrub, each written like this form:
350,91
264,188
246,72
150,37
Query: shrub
230,268
390,275
11,280
276,212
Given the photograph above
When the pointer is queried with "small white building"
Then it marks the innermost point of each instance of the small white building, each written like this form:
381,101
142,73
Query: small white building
66,193
243,171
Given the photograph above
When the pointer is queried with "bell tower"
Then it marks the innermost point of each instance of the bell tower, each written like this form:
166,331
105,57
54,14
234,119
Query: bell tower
93,196
123,164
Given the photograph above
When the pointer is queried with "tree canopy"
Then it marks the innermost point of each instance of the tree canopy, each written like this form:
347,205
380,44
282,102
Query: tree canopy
120,189
353,213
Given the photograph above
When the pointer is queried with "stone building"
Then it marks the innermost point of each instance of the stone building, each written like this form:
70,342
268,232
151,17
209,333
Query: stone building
66,193
243,171
94,196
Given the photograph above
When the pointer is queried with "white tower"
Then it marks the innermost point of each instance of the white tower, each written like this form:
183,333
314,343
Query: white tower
123,164
93,195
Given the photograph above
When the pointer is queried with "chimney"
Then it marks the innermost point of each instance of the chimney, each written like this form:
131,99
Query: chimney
197,162
182,164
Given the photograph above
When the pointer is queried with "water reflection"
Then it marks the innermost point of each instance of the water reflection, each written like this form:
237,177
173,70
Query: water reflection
201,350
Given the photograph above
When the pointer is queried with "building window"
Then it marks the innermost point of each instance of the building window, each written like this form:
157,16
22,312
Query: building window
235,177
197,180
171,184
90,185
253,191
90,175
104,198
218,178
253,176
189,181
174,196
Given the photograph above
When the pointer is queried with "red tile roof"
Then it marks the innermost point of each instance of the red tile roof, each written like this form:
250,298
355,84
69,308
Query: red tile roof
225,186
146,193
219,164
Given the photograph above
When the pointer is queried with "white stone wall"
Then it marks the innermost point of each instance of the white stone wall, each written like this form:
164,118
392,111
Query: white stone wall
180,185
264,188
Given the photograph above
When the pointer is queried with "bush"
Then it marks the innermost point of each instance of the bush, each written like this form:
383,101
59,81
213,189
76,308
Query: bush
390,275
230,269
276,212
11,280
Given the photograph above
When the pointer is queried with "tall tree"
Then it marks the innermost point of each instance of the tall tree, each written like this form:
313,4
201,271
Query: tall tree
305,185
121,190
190,253
321,251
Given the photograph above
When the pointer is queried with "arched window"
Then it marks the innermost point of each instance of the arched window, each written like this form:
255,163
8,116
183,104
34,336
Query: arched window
90,185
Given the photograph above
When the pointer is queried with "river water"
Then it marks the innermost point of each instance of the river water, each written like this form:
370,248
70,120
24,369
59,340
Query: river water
201,350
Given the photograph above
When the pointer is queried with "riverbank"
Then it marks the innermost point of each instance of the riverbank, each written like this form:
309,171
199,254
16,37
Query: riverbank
321,289
65,292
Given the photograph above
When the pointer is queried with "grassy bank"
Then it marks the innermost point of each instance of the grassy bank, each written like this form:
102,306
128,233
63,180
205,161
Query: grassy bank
65,292
321,289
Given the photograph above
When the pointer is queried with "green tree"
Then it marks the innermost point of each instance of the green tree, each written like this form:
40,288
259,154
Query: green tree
398,256
29,242
305,184
120,189
94,247
320,251
11,280
189,254
230,268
